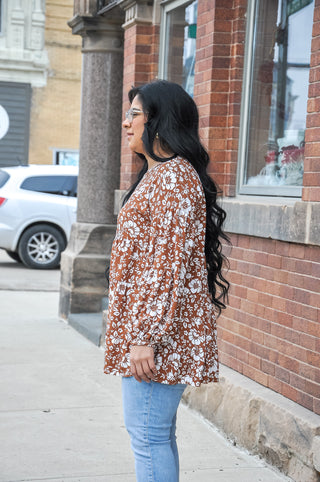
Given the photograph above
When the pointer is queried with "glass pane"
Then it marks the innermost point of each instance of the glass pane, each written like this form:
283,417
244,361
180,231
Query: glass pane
180,51
4,176
279,93
48,184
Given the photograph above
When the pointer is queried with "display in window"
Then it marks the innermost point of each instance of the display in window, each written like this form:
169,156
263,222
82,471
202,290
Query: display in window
279,93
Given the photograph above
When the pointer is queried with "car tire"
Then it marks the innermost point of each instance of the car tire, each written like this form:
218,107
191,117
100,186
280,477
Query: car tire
14,255
40,247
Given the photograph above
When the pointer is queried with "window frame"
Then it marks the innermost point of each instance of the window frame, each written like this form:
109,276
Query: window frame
242,188
166,7
56,151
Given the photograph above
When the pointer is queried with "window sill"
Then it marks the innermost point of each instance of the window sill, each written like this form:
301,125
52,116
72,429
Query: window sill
284,219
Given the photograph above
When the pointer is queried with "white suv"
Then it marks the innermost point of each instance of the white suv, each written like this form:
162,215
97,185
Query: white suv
38,205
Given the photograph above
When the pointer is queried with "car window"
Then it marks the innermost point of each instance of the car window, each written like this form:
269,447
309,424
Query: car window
61,185
4,176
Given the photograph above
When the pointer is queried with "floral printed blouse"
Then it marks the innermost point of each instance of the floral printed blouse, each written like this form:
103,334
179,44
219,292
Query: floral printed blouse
158,291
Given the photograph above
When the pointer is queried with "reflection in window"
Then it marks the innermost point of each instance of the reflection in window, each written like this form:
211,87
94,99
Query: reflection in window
279,93
180,44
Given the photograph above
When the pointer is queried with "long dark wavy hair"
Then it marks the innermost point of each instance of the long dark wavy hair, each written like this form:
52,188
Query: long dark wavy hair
172,116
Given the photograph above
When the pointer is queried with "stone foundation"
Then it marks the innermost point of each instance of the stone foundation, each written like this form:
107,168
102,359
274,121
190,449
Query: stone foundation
282,432
83,283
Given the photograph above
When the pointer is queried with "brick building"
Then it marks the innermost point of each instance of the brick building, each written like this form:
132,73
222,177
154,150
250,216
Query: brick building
253,68
271,329
40,79
55,107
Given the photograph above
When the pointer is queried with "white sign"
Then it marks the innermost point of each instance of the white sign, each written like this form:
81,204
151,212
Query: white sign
4,122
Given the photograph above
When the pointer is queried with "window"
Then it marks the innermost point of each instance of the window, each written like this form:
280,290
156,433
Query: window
4,176
61,185
275,93
178,43
66,157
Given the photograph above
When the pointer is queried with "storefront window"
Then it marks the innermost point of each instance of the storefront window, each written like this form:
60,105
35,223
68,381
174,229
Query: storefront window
178,43
275,96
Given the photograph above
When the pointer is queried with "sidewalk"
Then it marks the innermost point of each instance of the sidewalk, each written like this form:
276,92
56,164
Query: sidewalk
61,417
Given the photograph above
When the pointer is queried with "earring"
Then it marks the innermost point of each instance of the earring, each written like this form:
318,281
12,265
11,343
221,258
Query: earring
157,135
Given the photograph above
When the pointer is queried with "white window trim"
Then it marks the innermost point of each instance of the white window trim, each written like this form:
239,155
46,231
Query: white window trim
283,191
55,150
166,7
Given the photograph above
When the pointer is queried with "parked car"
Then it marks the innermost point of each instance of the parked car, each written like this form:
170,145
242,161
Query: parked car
38,205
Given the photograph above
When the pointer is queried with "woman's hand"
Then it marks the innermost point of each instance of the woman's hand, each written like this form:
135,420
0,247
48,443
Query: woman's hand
142,364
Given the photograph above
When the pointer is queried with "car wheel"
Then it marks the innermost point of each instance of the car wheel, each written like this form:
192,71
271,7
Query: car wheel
14,255
40,247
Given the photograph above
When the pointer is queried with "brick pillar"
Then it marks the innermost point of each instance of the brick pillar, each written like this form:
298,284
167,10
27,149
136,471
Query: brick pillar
211,86
141,39
218,83
311,178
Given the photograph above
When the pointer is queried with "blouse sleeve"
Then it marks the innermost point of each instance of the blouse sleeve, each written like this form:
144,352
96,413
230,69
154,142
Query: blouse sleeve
174,202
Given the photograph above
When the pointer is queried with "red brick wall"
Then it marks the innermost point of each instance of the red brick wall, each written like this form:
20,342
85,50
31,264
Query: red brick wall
141,47
311,178
270,331
218,84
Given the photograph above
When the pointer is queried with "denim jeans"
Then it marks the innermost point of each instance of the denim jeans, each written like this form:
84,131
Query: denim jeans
150,411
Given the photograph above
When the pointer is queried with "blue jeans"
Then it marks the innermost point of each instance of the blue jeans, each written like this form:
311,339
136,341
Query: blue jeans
150,411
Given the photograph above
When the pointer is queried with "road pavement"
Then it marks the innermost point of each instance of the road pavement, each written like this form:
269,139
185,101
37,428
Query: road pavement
61,417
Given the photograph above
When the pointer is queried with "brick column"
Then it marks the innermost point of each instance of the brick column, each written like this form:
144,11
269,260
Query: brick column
141,39
218,83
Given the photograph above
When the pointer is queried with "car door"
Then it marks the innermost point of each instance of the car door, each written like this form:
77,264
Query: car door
46,198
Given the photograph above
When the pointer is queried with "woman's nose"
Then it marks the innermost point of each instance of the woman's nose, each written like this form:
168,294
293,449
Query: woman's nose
125,123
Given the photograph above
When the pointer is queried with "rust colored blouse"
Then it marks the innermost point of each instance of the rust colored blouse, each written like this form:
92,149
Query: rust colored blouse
158,291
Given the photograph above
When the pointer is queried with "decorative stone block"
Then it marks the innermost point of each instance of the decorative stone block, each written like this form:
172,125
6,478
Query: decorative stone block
83,282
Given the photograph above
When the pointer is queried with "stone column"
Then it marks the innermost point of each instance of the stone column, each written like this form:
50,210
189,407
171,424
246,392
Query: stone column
83,264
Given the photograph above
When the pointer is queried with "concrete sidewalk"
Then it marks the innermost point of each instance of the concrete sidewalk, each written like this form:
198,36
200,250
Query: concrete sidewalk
61,417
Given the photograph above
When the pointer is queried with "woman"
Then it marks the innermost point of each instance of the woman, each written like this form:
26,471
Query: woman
166,284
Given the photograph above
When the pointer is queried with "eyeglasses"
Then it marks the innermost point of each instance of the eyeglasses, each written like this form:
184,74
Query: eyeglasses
132,113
